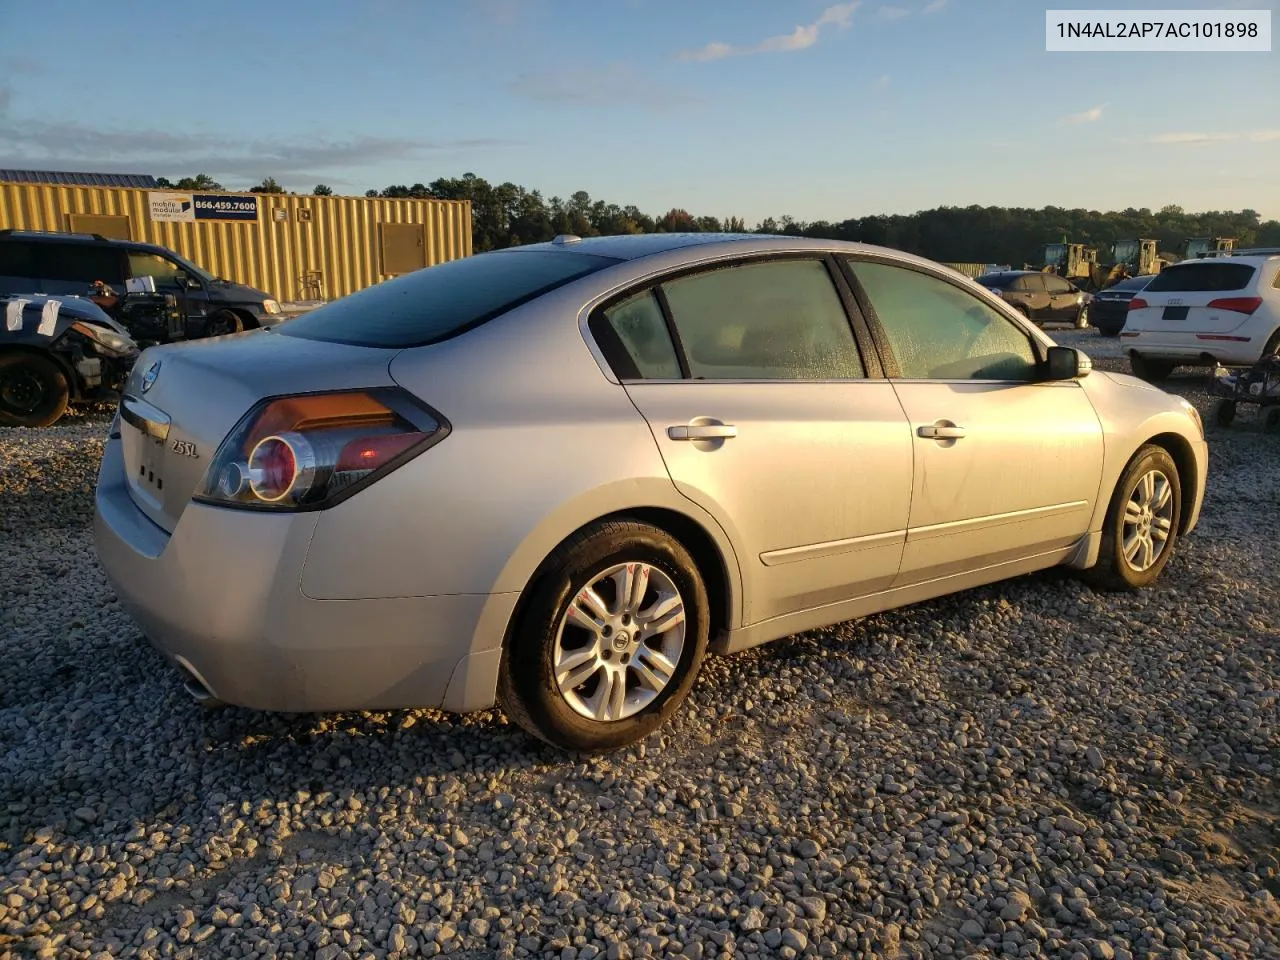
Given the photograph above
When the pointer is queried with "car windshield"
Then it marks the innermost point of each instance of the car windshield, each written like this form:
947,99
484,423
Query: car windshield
1202,276
438,302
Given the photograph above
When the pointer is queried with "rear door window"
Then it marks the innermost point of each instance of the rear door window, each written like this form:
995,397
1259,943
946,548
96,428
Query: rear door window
1056,284
634,335
438,302
774,320
1202,277
17,259
79,263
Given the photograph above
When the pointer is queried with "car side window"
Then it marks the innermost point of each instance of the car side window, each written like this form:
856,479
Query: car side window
79,263
1056,284
17,259
1034,283
941,332
774,320
641,332
153,265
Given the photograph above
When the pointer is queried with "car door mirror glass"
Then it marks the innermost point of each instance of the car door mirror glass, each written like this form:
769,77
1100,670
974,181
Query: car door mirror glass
1066,363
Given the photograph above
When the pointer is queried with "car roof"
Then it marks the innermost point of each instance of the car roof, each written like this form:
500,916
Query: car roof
630,247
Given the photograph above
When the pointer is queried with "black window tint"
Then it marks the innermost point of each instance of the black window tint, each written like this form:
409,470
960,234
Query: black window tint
438,302
940,332
79,263
778,320
16,259
641,334
1202,276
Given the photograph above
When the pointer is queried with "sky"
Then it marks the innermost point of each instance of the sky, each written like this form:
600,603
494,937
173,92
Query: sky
748,108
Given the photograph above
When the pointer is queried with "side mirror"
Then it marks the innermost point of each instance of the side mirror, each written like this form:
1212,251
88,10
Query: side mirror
1066,363
185,281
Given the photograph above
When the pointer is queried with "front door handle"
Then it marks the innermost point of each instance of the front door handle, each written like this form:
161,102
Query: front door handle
703,431
942,430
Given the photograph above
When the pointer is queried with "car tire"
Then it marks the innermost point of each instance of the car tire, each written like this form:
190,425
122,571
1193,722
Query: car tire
557,675
1223,412
1271,420
1146,502
222,323
1153,371
33,390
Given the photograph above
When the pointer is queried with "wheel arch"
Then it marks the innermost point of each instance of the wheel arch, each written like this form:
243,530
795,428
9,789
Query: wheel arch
1184,458
718,571
61,362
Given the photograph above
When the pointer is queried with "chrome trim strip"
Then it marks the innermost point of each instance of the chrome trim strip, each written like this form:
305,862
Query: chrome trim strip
151,420
830,548
993,520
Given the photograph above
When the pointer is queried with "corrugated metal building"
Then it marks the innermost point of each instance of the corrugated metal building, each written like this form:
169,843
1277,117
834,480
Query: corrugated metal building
293,247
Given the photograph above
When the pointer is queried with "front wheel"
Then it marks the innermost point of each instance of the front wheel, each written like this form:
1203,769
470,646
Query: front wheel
1141,527
33,390
222,323
1150,370
610,641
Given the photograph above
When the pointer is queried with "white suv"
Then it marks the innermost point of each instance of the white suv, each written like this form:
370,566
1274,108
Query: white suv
1223,309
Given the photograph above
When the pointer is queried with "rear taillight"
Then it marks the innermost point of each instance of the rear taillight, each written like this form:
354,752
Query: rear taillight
1238,304
1137,303
311,451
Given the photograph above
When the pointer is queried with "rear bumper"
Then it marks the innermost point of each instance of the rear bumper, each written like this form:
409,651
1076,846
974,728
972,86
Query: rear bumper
1191,348
220,598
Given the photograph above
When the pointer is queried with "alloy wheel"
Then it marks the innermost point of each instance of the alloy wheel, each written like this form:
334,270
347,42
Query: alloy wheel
1148,520
619,642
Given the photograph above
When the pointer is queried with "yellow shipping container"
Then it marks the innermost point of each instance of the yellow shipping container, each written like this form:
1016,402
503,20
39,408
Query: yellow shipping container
292,247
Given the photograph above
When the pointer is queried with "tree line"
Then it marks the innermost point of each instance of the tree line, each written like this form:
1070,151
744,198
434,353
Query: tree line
505,215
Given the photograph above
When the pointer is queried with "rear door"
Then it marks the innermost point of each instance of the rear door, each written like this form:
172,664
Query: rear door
1006,467
1211,296
751,380
1035,296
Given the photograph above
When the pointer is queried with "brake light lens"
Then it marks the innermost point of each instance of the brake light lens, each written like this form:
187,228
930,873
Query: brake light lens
312,451
1237,304
1137,303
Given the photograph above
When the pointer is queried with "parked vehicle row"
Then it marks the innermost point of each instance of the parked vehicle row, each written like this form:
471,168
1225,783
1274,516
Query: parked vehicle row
569,469
1040,297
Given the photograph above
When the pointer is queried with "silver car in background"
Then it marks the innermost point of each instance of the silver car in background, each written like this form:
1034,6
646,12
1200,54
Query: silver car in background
552,477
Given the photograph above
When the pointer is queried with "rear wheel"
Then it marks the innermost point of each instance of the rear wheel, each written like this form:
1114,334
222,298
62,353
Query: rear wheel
222,323
33,390
1141,527
611,639
1223,412
1148,369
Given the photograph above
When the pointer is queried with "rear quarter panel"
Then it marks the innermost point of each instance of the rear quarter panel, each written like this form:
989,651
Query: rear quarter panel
541,443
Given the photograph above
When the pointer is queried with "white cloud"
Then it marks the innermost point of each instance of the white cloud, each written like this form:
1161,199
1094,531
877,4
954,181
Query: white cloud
883,82
934,6
839,16
892,13
1182,137
1092,115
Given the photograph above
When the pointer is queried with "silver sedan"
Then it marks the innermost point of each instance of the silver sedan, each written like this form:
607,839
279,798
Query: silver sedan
553,477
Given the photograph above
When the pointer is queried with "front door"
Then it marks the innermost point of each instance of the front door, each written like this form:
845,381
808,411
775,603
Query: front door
765,418
1006,467
1064,299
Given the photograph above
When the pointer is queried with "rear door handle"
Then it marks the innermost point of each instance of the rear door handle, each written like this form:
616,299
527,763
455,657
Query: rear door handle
942,430
703,431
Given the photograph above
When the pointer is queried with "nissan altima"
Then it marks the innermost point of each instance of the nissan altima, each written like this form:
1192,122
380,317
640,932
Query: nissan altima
554,477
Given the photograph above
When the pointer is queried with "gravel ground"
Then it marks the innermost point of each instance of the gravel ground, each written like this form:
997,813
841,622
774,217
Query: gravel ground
1030,769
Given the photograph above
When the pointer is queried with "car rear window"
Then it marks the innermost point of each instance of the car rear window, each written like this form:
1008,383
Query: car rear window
438,302
1193,277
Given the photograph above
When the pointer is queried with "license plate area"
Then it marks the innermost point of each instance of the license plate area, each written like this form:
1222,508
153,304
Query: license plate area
1174,313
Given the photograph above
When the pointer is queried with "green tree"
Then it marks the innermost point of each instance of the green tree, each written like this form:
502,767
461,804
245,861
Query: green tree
268,185
322,190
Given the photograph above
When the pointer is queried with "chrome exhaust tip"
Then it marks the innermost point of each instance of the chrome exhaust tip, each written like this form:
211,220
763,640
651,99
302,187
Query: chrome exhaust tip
196,688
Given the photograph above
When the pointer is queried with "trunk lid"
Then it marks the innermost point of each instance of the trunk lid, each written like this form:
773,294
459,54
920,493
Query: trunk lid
181,400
